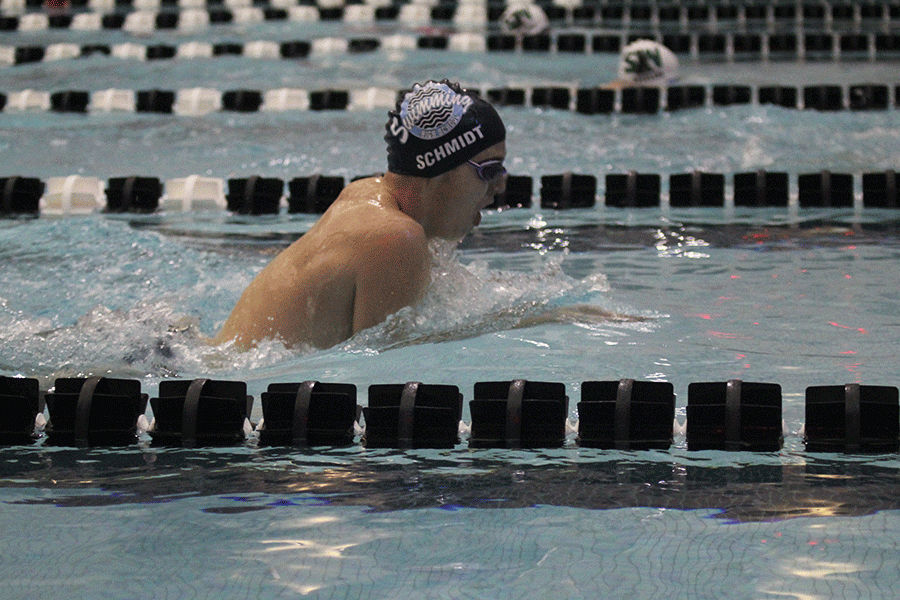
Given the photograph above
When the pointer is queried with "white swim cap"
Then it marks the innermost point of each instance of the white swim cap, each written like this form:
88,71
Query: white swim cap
523,17
646,62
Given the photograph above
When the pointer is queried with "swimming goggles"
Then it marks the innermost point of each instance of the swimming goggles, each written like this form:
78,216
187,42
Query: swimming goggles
489,169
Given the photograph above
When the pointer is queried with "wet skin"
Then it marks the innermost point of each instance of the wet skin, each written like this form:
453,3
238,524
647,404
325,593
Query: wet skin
364,259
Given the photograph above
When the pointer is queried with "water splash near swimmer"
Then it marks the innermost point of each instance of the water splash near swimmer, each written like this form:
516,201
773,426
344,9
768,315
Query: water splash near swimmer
471,299
153,340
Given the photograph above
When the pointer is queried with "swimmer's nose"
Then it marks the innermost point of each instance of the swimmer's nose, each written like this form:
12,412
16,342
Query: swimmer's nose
500,184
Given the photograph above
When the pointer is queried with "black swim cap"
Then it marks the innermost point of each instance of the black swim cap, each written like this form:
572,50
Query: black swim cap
437,126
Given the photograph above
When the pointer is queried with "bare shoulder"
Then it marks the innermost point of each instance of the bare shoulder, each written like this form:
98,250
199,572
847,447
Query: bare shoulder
388,252
399,233
375,224
394,250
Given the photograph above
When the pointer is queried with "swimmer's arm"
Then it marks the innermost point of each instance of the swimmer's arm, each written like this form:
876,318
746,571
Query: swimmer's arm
522,317
393,272
578,313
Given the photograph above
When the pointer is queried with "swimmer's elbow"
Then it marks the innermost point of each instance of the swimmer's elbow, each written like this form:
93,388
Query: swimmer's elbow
236,334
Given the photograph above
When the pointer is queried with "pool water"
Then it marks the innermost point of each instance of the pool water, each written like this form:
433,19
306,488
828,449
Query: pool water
797,297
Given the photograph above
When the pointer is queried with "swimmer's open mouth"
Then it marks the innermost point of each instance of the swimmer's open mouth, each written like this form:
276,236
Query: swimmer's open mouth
477,218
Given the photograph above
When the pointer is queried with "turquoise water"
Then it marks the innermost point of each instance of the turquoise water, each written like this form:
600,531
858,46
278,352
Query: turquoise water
811,305
290,547
360,524
795,297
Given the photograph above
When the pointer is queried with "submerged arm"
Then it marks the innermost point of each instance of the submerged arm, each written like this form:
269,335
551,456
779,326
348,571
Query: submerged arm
578,313
516,317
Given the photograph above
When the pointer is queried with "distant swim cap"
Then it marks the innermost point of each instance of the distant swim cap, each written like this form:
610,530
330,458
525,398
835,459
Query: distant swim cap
645,62
438,126
523,17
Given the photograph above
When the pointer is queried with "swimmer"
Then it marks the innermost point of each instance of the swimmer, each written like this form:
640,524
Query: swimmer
523,17
368,256
645,63
54,8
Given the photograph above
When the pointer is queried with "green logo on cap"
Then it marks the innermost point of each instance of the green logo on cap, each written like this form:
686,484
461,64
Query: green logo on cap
643,61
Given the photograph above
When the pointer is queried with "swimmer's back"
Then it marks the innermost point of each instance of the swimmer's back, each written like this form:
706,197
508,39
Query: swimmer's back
362,260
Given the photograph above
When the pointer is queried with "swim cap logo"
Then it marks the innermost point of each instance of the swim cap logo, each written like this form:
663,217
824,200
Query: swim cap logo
518,19
644,63
432,111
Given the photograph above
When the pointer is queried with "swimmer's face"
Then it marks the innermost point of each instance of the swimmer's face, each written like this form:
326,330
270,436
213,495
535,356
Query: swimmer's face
468,194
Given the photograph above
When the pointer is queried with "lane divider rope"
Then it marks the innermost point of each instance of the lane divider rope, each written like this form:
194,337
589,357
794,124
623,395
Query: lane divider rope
584,100
258,195
728,46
